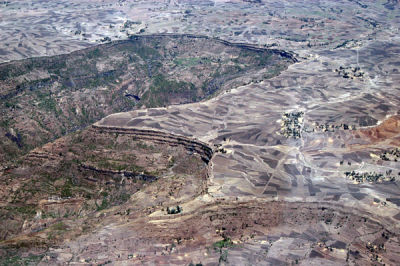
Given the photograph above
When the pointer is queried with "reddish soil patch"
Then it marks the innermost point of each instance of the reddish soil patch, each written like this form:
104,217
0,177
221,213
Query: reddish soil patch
388,129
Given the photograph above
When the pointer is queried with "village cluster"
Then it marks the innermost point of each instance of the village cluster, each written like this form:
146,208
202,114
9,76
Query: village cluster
392,155
371,177
350,72
326,127
291,124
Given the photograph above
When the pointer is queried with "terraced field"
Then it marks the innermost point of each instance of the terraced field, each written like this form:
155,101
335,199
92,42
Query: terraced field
284,156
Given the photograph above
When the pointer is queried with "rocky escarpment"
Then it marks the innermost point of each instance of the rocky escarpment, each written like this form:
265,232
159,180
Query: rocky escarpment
192,145
55,189
245,46
127,174
42,99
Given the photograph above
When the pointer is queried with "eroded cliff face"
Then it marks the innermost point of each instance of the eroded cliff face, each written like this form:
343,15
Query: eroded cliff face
56,190
105,194
190,144
44,98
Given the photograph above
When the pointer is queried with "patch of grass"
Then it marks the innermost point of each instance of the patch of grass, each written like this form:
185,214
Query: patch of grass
225,243
49,215
91,146
163,90
188,62
104,204
18,260
144,52
66,191
10,104
26,210
94,53
123,197
5,123
160,83
47,102
222,247
59,226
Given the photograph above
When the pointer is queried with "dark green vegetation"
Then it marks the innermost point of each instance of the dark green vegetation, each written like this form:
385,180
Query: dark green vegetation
224,243
44,98
222,247
174,210
11,259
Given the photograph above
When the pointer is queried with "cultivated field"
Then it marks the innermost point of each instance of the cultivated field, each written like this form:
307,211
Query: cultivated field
297,168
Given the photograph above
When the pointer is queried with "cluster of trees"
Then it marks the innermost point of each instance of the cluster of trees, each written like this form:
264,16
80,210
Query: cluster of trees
173,210
391,155
370,176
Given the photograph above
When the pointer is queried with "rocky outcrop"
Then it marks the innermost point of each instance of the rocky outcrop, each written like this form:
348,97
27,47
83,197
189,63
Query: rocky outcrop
245,46
40,155
59,85
192,145
127,174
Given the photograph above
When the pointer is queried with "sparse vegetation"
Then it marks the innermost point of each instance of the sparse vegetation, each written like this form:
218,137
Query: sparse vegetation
19,260
270,193
222,247
59,226
104,204
91,81
224,243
